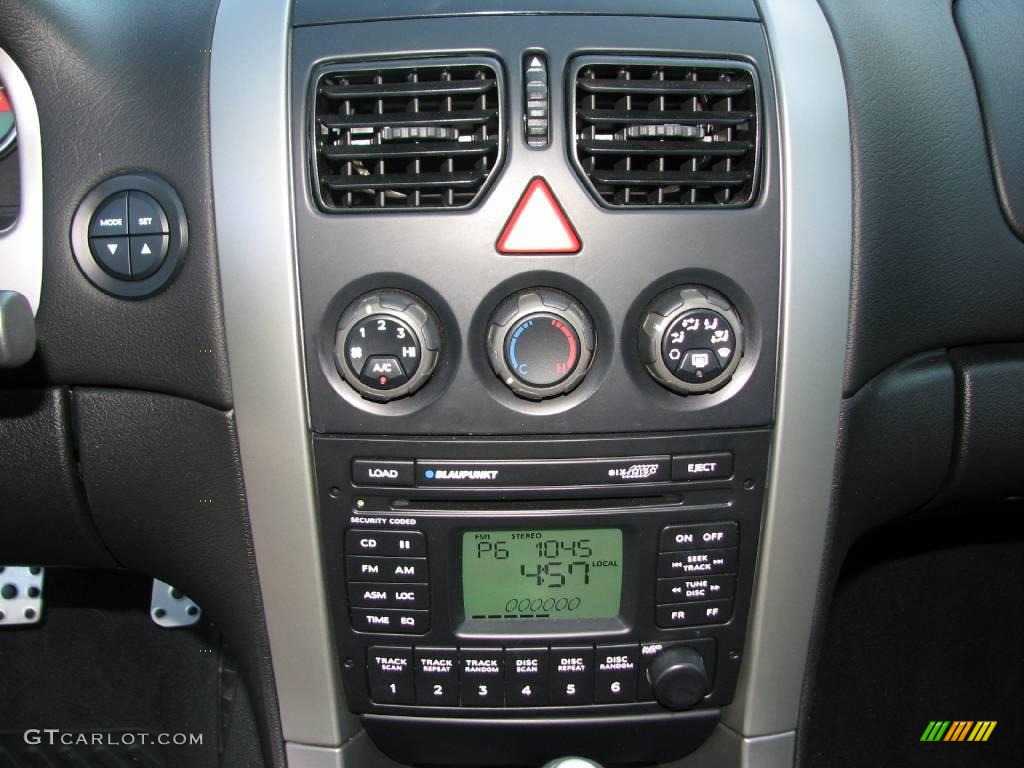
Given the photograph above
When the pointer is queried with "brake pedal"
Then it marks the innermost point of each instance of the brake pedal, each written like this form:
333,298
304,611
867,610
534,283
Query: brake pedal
170,608
21,595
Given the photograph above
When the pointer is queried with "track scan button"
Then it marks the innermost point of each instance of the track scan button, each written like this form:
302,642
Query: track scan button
389,673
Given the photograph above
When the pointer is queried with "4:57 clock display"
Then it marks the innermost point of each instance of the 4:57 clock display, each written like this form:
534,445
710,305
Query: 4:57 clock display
542,573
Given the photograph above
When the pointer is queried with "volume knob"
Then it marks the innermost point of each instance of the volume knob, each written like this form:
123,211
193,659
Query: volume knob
678,677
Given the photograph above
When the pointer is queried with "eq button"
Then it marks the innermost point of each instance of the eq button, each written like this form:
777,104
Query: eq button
390,622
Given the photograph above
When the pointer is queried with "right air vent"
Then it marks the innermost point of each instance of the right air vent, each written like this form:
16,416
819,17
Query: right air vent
652,132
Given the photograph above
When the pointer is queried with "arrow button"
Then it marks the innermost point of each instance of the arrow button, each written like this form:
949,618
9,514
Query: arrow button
111,253
148,253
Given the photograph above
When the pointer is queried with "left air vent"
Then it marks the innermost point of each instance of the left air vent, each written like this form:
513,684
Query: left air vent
407,136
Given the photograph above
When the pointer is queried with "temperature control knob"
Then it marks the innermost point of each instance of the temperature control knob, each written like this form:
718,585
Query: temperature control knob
678,677
691,340
387,345
541,342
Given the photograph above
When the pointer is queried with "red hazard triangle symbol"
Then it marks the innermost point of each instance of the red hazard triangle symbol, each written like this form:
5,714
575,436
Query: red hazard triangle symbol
538,224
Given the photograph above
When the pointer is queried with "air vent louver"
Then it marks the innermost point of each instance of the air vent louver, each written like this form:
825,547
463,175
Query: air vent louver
406,136
669,134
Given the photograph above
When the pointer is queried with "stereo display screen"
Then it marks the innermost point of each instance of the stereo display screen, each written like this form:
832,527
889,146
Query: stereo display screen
542,573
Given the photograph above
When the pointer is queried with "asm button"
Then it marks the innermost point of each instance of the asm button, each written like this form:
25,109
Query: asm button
370,595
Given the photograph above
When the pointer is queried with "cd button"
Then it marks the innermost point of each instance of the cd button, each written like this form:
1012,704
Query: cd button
572,675
482,684
389,672
526,671
385,543
437,677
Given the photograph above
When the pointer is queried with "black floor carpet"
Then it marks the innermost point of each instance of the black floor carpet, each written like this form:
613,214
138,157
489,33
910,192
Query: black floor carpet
97,664
927,624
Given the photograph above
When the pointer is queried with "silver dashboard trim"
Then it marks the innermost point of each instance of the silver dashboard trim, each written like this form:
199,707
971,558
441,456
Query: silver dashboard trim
817,238
21,246
256,245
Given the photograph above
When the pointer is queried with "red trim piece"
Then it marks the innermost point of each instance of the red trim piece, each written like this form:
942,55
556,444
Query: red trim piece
5,103
539,184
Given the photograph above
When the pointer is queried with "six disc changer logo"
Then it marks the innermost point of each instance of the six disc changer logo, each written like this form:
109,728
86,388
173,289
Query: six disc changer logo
958,730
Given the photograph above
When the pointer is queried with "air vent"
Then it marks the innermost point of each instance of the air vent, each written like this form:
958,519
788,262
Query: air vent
404,136
666,133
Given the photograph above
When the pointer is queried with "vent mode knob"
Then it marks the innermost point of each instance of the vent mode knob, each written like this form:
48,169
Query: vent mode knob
540,342
387,345
691,340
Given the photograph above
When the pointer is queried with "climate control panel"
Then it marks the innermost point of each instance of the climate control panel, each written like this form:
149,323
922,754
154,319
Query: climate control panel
540,342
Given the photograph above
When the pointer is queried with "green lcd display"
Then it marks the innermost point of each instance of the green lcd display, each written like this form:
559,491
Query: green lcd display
542,573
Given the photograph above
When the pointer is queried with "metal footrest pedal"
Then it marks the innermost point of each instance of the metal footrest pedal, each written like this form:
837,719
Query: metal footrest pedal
21,595
170,608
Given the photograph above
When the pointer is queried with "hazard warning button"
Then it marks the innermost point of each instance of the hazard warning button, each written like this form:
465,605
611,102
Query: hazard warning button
538,224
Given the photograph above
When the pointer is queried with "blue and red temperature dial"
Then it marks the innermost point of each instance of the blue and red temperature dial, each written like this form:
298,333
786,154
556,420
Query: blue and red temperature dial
542,350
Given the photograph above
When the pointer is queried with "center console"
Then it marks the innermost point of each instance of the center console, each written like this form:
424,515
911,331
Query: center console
539,269
551,433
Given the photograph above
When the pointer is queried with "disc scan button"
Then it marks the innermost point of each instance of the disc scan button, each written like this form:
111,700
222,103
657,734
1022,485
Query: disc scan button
382,472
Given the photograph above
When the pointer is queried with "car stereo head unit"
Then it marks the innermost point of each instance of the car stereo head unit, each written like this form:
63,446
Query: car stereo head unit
574,584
